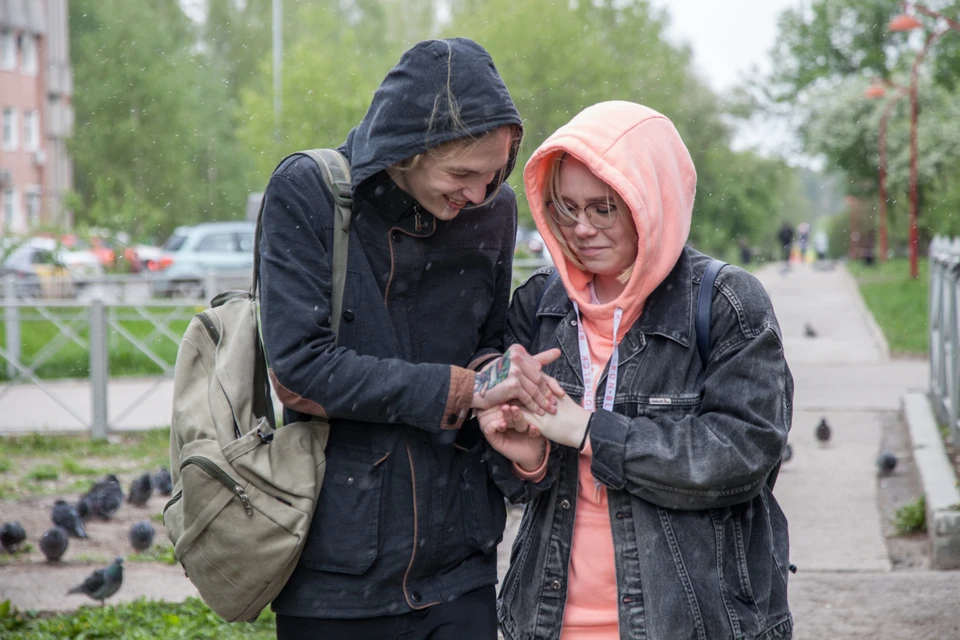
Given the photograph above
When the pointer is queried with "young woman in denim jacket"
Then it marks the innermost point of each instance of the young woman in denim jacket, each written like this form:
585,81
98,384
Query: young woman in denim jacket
652,514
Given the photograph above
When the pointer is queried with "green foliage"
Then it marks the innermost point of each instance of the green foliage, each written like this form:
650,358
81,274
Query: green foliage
137,620
6,465
897,302
75,468
71,360
911,517
43,472
144,446
162,553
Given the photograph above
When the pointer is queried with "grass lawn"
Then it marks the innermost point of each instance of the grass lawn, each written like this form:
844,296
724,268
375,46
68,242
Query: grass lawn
898,303
41,465
138,620
39,333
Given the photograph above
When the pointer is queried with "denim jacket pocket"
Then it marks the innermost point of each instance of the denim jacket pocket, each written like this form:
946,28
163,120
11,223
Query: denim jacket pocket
344,533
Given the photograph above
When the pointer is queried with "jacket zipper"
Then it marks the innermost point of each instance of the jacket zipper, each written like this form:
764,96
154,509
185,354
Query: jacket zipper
209,326
218,474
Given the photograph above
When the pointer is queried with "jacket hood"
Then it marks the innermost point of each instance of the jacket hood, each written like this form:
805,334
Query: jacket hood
639,154
410,111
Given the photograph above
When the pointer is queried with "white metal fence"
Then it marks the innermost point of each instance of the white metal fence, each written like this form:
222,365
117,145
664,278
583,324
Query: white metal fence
944,332
96,318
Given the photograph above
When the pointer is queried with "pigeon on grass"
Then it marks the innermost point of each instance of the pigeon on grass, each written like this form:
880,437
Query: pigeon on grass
65,515
54,543
141,535
12,536
102,583
140,491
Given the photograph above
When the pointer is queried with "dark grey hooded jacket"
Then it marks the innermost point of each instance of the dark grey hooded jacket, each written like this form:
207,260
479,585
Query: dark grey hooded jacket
407,516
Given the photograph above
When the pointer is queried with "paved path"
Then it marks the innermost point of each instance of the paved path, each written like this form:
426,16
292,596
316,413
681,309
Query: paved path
845,589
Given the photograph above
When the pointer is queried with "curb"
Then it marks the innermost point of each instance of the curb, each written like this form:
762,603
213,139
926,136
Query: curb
938,479
875,332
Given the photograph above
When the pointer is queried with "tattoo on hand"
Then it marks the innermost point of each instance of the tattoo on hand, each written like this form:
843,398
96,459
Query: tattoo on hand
493,375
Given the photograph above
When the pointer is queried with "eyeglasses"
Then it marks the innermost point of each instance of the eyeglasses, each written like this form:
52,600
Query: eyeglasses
600,215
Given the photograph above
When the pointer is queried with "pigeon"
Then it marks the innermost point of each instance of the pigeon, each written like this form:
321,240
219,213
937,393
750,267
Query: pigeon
65,515
787,453
140,490
105,497
86,507
12,536
886,463
54,543
141,535
823,432
162,481
102,583
809,331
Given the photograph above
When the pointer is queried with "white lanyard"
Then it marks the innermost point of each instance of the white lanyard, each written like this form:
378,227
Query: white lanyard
586,365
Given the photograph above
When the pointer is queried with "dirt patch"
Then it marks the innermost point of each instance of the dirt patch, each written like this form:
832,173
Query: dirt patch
912,552
107,538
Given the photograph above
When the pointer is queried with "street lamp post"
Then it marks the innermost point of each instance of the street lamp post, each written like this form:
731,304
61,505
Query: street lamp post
877,91
906,22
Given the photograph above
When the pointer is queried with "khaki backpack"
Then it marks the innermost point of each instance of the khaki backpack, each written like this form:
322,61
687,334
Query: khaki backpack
244,491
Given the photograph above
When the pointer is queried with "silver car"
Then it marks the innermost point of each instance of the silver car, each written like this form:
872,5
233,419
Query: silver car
202,260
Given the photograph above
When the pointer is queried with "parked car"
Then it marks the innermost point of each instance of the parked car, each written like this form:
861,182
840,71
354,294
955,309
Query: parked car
191,254
143,258
81,263
37,273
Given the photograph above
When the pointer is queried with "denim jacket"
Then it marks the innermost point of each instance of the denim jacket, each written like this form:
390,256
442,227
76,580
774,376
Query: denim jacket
688,457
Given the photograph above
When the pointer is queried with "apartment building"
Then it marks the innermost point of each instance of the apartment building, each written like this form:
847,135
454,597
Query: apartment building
36,116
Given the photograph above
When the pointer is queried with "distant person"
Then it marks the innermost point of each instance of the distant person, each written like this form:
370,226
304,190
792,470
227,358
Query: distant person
746,253
821,244
785,235
803,239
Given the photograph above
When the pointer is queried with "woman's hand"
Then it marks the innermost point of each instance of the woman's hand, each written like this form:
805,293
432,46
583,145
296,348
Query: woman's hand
517,375
524,448
568,426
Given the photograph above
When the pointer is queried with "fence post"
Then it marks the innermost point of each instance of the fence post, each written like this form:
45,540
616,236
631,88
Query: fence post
210,285
99,369
11,318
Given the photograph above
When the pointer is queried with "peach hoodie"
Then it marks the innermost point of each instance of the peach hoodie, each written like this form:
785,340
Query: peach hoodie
639,153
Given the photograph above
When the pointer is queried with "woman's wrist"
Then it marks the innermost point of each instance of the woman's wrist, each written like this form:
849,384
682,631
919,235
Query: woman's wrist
533,465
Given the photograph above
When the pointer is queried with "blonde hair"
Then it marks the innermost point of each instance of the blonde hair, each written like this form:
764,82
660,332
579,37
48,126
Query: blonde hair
551,193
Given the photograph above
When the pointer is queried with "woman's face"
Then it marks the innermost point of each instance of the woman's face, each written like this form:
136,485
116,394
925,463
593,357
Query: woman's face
445,182
605,252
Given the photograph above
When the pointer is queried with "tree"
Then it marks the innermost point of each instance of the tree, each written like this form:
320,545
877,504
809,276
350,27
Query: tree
146,143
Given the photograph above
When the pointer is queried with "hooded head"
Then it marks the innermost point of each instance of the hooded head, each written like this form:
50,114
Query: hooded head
441,93
649,177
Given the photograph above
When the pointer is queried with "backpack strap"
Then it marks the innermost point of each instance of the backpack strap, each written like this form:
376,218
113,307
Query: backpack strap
704,309
535,323
336,175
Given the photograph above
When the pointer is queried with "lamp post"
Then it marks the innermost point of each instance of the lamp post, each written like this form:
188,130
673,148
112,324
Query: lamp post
906,22
877,91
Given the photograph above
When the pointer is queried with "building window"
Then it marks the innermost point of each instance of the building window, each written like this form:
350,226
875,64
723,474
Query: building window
9,209
31,130
28,54
8,51
10,137
33,201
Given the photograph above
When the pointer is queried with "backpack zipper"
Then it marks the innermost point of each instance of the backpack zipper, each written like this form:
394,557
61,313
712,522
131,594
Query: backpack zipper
218,474
209,326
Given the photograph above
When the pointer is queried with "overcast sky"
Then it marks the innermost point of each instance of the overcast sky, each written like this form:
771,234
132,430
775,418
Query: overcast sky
728,37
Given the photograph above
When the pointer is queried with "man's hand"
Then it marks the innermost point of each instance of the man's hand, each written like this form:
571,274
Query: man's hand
517,375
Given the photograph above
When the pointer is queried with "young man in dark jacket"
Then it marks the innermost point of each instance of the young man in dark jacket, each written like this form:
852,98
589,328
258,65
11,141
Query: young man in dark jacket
403,541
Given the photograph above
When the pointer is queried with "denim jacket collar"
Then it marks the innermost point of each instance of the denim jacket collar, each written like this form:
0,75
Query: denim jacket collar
673,299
